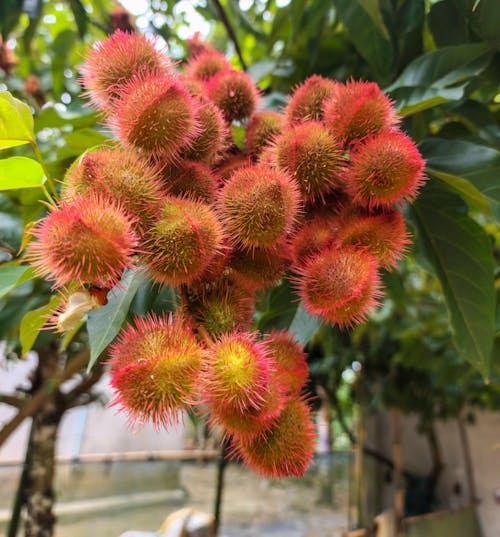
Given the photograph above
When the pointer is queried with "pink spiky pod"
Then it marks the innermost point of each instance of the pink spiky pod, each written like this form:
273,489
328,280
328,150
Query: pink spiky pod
259,206
292,371
183,241
313,237
89,240
237,373
195,87
307,100
257,268
263,127
156,365
206,64
251,423
157,116
231,163
234,93
112,63
312,157
122,175
386,169
212,135
196,45
356,110
340,284
219,307
286,449
383,234
191,179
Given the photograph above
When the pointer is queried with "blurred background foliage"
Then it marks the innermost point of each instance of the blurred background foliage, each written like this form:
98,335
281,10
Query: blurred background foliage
435,340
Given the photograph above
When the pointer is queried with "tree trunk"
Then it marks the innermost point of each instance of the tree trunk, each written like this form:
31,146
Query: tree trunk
399,494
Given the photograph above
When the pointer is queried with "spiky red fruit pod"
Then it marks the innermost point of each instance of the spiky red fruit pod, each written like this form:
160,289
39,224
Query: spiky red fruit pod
114,62
259,206
261,130
237,374
286,449
307,101
340,284
227,167
384,235
122,175
258,268
315,235
310,155
157,116
191,179
212,135
88,240
251,423
220,307
155,367
206,64
356,110
234,93
183,242
292,370
386,169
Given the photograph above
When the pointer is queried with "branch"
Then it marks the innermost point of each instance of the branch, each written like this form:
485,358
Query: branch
88,380
230,31
43,394
12,400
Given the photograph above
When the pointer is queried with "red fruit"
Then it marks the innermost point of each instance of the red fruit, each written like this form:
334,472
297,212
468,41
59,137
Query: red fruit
237,374
286,449
191,179
307,101
384,235
88,240
157,116
356,110
220,307
211,138
207,64
340,284
121,175
312,157
386,169
292,370
314,236
114,62
232,163
261,130
259,206
155,367
183,242
258,268
234,93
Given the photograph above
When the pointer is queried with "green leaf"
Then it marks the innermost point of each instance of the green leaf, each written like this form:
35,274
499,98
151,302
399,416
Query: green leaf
80,140
33,322
10,12
81,19
16,122
410,100
12,275
53,118
479,164
304,326
448,24
20,172
445,66
363,21
104,323
34,12
461,254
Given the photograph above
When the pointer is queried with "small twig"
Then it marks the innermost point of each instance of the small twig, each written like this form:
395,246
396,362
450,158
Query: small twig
230,31
12,400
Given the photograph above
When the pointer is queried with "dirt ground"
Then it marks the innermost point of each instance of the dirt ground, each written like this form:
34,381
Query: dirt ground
252,507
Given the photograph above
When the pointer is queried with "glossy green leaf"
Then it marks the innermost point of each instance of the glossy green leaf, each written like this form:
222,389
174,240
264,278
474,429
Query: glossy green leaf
447,24
20,172
33,322
363,21
53,118
479,164
104,323
12,275
410,100
461,254
304,326
16,122
81,19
